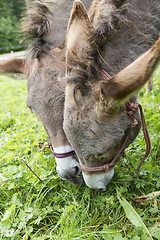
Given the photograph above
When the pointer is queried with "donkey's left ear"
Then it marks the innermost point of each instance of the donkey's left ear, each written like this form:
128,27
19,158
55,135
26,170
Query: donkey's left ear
78,43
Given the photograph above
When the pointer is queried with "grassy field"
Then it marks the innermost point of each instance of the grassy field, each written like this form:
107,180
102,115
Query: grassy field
55,209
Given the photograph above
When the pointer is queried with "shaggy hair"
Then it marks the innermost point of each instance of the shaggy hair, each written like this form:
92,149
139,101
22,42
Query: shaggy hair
136,30
45,24
36,25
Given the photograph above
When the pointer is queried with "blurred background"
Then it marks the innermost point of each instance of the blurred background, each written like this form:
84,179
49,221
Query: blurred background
11,12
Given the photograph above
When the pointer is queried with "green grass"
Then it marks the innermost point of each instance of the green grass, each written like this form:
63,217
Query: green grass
55,209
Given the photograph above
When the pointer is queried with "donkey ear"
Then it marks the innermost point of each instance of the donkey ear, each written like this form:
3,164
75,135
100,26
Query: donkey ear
78,43
132,78
78,12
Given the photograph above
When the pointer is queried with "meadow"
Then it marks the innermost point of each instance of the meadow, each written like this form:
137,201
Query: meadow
49,208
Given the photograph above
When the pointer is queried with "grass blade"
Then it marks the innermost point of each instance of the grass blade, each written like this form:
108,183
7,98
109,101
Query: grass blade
133,216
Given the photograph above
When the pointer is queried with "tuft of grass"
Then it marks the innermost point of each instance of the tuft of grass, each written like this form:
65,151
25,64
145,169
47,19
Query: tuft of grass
59,210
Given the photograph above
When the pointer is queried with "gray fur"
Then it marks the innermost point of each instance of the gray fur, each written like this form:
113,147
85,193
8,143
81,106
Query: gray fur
44,66
137,29
117,43
94,128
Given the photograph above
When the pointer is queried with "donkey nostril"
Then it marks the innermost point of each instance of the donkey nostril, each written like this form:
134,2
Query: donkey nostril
101,189
76,170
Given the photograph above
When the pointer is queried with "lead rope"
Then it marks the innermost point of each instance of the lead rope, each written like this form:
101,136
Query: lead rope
131,109
146,137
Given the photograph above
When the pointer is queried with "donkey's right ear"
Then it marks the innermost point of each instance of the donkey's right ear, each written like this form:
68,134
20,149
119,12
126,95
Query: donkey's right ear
78,12
78,44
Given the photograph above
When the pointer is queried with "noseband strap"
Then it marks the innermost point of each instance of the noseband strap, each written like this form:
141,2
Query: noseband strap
106,166
61,155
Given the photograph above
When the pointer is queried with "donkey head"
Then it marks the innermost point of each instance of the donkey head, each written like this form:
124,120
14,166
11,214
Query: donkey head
43,66
95,118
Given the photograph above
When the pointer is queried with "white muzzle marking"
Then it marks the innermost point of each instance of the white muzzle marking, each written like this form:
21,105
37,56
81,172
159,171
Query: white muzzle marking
98,181
68,168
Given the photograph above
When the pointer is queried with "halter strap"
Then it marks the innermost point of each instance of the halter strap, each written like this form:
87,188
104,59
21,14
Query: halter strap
106,166
61,155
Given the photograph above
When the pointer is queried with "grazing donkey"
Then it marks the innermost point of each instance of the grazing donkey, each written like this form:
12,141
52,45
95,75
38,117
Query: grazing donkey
46,64
43,66
107,42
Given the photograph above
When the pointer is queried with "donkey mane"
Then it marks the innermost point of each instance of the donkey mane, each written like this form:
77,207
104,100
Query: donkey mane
45,25
36,25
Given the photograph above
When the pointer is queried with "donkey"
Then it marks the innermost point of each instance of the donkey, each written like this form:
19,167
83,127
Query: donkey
45,67
107,42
